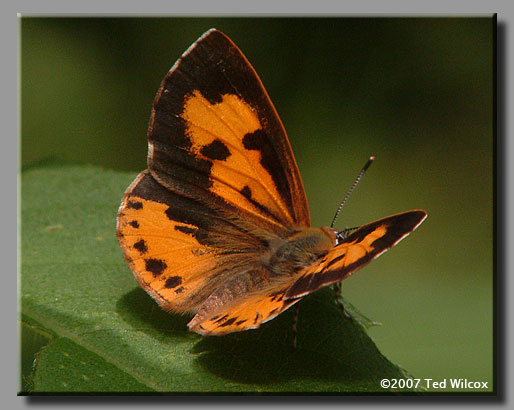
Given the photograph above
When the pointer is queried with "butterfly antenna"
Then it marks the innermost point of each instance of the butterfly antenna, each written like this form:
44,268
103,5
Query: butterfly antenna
354,185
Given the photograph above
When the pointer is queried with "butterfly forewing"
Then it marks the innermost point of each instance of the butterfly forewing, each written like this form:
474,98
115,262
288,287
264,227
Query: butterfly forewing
357,250
215,136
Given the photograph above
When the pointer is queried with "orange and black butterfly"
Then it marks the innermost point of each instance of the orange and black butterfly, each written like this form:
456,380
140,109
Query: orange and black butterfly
218,225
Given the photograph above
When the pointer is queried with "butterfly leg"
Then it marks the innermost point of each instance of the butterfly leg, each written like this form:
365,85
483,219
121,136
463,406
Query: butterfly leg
338,289
295,321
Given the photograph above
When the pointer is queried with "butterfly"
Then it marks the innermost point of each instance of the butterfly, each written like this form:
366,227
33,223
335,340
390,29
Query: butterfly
219,225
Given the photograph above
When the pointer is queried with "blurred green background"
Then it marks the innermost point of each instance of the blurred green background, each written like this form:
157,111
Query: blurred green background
415,92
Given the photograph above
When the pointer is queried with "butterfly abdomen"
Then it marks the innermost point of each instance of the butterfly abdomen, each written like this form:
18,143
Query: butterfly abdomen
238,287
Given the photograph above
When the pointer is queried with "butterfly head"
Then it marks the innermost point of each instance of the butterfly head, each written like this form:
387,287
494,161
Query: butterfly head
337,237
341,236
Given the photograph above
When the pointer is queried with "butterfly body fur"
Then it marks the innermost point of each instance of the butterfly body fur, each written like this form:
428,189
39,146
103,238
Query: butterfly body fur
218,225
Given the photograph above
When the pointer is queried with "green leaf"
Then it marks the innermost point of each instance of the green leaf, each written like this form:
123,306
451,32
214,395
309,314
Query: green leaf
108,335
66,366
33,340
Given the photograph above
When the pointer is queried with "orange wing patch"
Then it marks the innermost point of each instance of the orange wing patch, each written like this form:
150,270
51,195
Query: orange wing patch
361,247
224,133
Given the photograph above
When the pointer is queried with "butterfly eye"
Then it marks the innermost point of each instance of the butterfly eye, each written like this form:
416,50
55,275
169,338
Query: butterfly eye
342,235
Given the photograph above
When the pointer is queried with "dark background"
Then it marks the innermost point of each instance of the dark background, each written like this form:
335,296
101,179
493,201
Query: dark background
415,92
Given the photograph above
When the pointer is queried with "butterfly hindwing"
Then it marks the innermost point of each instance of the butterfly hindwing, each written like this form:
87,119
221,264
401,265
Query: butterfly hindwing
246,313
177,247
215,136
357,250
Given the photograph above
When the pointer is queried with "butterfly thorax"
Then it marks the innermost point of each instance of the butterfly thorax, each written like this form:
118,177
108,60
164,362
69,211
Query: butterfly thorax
300,250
